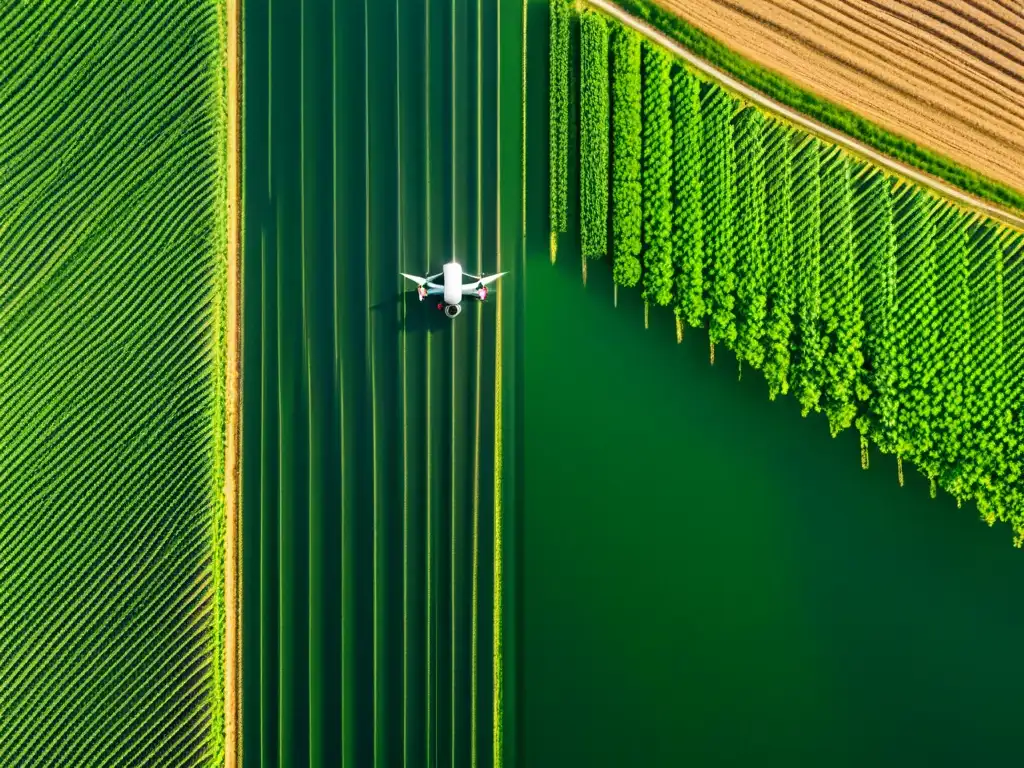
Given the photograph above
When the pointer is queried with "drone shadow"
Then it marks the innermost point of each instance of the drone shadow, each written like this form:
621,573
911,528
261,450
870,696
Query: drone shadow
422,316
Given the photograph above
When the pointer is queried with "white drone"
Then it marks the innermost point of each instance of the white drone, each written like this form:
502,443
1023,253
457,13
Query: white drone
452,289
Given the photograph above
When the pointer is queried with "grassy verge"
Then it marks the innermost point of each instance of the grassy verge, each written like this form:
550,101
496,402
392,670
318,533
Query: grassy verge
784,91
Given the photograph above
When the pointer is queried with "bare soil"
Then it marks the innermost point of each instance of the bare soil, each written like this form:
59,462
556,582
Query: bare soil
947,74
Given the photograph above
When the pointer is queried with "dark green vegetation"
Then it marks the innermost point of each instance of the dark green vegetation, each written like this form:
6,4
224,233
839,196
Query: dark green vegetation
842,313
558,110
687,232
593,135
657,176
379,138
709,580
626,143
718,180
782,90
112,294
751,245
809,365
824,273
780,298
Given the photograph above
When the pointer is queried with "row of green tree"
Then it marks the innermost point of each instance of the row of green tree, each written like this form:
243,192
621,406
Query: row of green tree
868,298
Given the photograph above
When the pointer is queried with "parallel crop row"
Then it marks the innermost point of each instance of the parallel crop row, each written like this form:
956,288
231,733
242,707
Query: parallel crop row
751,245
593,135
112,284
872,301
626,125
687,229
657,175
558,116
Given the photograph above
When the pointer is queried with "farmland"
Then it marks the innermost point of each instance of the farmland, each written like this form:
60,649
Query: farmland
711,579
113,243
775,89
847,315
380,138
538,534
946,75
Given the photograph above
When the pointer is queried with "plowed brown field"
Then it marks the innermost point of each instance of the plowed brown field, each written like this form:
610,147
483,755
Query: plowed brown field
946,74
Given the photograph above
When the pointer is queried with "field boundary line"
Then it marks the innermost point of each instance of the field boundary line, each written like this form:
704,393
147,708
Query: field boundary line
232,669
781,110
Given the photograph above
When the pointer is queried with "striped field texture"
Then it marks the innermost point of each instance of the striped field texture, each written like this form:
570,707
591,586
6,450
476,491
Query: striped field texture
381,136
875,302
112,264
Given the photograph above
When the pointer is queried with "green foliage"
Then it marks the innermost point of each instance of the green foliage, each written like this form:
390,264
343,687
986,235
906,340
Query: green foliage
657,175
1012,496
807,256
558,113
786,92
953,319
869,298
688,234
781,306
718,158
593,134
626,198
877,243
986,372
113,288
841,310
751,245
918,323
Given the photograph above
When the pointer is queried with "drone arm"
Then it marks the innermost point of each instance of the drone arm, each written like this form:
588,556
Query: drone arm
427,281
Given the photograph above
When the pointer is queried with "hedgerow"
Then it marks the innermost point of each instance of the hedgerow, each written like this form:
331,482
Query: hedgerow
593,135
657,175
751,245
778,142
626,125
953,317
688,233
986,374
841,310
718,157
807,259
558,115
878,241
917,329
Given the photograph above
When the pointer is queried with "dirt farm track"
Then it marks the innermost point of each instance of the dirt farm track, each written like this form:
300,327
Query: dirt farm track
948,74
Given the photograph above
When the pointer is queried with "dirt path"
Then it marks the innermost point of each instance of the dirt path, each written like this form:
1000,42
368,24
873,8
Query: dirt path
231,406
807,123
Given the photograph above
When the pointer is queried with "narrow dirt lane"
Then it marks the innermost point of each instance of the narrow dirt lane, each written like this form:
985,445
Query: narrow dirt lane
231,422
805,122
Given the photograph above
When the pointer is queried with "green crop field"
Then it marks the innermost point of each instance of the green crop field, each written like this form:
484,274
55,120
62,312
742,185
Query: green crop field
380,137
535,535
112,278
884,307
705,577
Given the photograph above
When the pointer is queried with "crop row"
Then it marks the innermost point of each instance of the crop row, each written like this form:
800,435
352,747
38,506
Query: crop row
871,300
594,135
112,358
558,106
